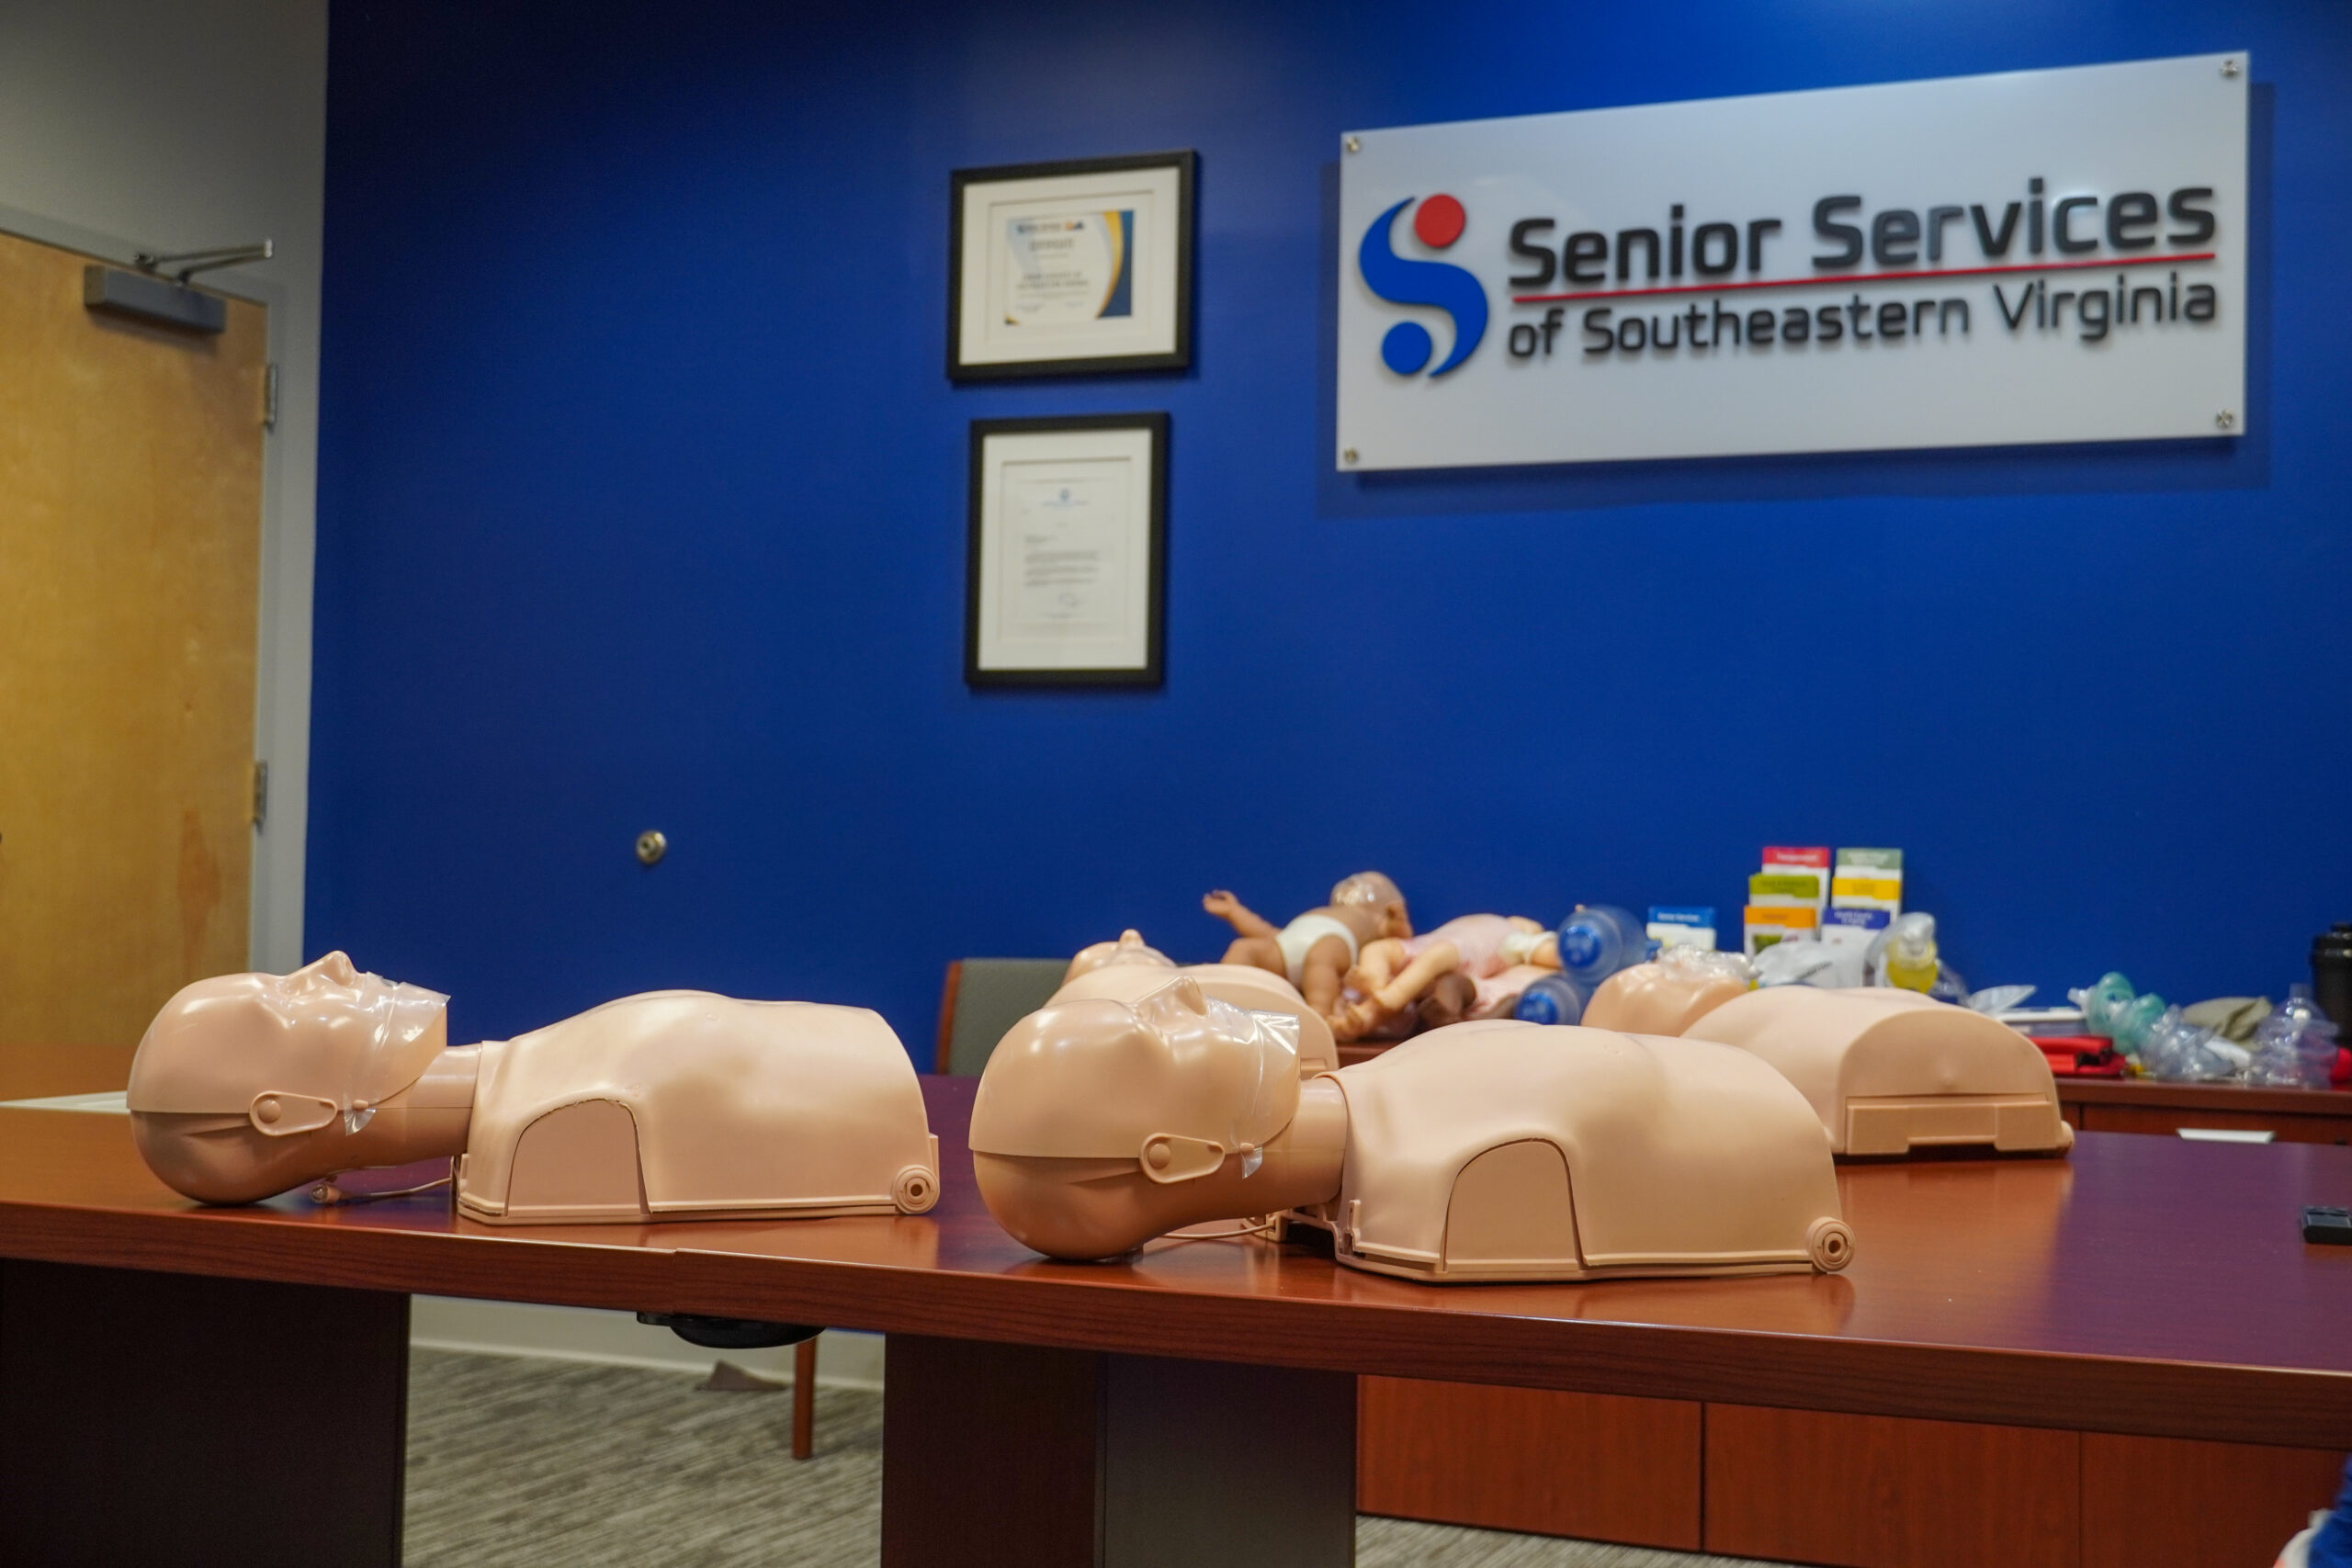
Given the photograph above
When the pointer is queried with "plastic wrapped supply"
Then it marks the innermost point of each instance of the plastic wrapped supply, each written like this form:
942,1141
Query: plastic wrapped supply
1996,1000
1698,963
1910,962
2295,1046
1907,957
2231,1017
1797,961
2160,1042
2180,1052
2111,1009
1554,998
1597,941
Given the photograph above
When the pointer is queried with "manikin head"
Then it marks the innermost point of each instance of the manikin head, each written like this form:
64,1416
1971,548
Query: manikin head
1099,1124
1129,949
246,1085
1371,890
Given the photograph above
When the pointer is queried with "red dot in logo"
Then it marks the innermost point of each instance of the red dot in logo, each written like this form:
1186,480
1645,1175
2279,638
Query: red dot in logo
1438,221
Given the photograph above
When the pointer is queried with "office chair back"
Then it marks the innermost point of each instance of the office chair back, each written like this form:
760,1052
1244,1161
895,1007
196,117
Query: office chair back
985,997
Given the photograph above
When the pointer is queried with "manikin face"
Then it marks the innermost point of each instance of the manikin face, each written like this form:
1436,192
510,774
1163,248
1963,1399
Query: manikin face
1099,1078
326,1033
1129,949
251,1076
1100,1124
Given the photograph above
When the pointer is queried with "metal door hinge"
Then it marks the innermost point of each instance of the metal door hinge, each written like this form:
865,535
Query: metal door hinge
269,397
261,795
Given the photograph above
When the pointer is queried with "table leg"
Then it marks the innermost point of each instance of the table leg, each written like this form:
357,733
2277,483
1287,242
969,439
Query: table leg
804,1399
175,1418
1010,1455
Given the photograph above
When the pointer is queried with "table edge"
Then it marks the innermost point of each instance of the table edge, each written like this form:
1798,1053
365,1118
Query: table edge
2282,1407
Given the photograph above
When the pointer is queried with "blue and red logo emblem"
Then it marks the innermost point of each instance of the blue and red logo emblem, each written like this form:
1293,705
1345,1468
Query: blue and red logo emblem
1407,347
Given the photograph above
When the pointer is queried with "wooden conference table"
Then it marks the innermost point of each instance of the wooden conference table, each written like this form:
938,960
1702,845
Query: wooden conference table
187,1385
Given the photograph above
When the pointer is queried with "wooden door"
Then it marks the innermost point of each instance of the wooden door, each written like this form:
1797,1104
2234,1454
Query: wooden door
131,479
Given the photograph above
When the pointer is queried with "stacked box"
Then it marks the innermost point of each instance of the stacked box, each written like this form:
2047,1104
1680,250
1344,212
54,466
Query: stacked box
1848,933
1683,925
1787,897
1792,877
1768,924
1868,879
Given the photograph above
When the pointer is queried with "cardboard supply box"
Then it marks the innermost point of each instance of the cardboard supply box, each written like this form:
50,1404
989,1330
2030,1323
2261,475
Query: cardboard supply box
1683,925
1848,933
1868,879
1765,924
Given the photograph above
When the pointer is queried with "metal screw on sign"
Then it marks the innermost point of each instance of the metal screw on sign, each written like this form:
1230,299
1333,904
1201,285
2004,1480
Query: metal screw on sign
2226,420
2229,68
1348,456
1354,144
651,845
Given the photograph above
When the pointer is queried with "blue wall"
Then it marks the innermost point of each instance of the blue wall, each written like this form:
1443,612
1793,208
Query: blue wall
642,505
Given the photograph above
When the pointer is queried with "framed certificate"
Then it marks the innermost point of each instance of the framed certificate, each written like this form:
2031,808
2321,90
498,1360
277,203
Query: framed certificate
1066,544
1057,268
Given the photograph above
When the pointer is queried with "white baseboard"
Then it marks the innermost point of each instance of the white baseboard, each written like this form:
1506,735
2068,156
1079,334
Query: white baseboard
844,1358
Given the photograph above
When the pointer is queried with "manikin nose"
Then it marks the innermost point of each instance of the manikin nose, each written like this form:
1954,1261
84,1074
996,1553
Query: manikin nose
336,966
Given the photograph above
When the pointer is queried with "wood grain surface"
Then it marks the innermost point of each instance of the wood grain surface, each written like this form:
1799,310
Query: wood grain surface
2017,1291
2161,1500
2167,1119
171,1418
2204,1096
1865,1491
34,1072
2136,1105
1006,1433
1008,1456
131,501
1594,1466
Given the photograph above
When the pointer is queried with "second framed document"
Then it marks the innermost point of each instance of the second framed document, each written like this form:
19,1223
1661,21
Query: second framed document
1056,268
1065,556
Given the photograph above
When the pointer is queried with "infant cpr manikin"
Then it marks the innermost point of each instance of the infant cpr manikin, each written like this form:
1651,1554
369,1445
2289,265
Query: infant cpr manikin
1889,1070
669,1106
1493,1150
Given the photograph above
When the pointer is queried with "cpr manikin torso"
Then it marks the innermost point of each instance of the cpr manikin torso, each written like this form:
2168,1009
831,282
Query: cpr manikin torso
1887,1070
1494,1150
1668,994
724,1107
674,1105
1127,971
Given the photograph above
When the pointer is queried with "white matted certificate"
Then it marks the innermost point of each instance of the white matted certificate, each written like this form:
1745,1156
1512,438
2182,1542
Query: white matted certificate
1074,267
1066,538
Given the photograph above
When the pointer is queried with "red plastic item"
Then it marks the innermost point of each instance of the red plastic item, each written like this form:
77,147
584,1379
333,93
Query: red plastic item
2082,1055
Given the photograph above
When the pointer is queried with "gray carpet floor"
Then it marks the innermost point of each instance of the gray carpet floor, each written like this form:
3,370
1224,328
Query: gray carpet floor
532,1464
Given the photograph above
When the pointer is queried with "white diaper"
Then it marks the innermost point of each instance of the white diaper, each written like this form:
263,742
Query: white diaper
1298,938
1519,946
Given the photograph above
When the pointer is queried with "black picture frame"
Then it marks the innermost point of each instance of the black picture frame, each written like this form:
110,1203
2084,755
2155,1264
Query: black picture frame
1152,671
1186,164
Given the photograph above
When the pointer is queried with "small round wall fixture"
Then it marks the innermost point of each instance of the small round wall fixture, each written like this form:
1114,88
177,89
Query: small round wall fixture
651,845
